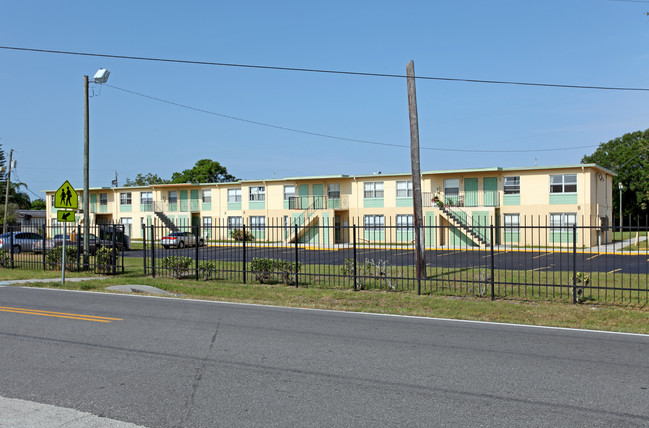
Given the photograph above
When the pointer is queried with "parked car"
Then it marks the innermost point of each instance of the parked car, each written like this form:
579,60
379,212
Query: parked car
22,241
94,243
181,240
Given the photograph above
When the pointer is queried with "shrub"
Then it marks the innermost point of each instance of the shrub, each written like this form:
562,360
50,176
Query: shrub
55,256
237,235
5,258
178,264
582,280
368,269
207,270
264,268
105,260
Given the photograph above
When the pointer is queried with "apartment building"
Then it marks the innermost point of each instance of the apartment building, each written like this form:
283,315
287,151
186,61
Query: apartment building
463,202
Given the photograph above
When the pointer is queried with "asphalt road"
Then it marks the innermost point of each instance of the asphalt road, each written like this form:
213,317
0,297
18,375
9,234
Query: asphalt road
537,260
168,362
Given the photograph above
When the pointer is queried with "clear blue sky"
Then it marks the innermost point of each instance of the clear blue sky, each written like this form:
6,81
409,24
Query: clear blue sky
574,42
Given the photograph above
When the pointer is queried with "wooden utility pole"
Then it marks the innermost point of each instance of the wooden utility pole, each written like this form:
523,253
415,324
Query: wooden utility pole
4,223
420,257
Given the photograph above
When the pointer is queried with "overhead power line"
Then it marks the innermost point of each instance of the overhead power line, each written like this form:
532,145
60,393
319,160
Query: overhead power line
334,137
313,70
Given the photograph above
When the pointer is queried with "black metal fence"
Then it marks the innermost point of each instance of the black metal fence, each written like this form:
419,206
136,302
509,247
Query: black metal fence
41,247
576,262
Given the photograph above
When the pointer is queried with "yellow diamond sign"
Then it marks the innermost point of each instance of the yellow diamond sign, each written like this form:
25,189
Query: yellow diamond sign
66,197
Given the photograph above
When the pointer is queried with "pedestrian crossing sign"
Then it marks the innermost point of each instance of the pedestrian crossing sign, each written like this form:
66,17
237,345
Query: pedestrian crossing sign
66,197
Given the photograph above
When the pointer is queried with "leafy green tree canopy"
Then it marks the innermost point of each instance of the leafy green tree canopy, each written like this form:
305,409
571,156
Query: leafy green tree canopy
145,180
628,157
205,171
38,204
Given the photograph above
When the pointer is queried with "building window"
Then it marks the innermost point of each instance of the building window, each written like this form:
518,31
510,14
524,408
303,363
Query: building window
103,199
234,223
234,195
511,222
146,198
173,197
373,190
452,187
128,224
125,198
207,222
562,222
512,185
404,189
257,194
207,196
289,192
257,222
52,200
405,223
374,223
566,183
333,191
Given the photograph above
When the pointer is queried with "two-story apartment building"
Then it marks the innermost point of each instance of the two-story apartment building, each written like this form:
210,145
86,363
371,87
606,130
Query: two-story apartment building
318,209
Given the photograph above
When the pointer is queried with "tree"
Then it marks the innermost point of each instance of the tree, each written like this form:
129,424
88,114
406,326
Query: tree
145,180
38,204
628,157
205,171
16,197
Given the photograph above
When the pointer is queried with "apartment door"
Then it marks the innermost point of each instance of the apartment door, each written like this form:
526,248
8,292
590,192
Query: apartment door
471,192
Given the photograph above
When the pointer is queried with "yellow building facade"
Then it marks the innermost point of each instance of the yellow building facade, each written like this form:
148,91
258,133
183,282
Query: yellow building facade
460,204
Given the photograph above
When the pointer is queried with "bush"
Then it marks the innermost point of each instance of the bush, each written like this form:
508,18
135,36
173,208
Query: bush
264,268
582,280
178,264
237,235
55,256
5,258
105,260
207,270
368,269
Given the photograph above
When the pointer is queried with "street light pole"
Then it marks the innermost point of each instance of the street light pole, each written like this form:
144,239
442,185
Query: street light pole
621,187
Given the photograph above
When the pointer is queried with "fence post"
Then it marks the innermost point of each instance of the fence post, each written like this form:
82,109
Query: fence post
491,245
417,232
43,247
11,246
143,247
197,230
574,264
152,251
354,252
296,257
113,259
79,249
244,252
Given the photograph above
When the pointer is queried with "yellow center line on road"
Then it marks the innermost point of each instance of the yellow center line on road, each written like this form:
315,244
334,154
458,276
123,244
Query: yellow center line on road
80,317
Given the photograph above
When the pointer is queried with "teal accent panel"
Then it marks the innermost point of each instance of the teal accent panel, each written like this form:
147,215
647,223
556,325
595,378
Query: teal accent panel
470,192
285,205
236,206
481,218
259,234
303,193
511,199
125,208
194,201
173,206
207,206
373,235
405,236
325,229
184,206
404,202
333,204
490,188
373,203
563,198
560,237
460,239
183,221
257,205
429,222
146,208
511,236
318,193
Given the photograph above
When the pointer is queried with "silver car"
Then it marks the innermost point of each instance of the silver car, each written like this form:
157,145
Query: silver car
181,240
22,241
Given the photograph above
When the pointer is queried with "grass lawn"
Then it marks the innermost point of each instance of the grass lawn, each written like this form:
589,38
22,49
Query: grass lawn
549,308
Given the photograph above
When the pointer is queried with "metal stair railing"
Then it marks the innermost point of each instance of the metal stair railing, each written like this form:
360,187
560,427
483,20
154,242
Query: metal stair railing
469,224
303,220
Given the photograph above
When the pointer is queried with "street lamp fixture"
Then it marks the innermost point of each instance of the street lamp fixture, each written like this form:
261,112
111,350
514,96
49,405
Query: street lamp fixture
101,76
